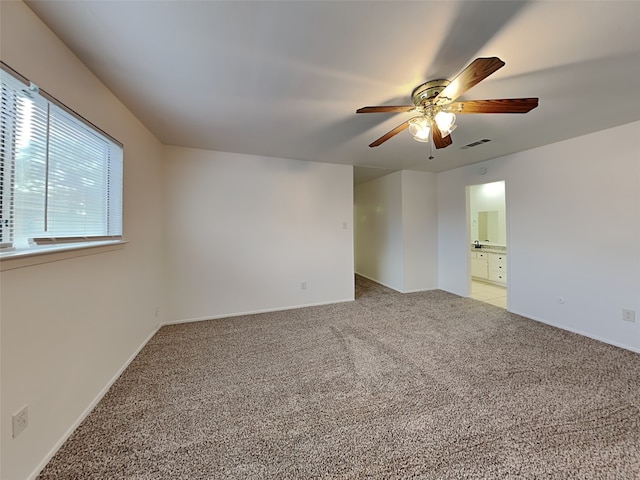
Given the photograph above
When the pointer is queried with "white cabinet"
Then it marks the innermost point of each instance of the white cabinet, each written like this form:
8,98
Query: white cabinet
479,265
498,268
489,266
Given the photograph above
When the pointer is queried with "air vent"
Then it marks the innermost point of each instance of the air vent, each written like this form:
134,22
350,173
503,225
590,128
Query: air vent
475,144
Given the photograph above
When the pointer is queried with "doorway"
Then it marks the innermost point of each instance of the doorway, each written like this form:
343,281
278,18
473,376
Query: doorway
488,254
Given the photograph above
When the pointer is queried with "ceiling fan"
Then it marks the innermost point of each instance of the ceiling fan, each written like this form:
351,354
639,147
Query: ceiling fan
434,103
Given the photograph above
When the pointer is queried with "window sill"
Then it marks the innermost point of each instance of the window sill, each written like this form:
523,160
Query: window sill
52,253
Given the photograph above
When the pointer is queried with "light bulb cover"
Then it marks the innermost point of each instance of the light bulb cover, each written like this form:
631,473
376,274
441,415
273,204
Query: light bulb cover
450,131
419,129
445,122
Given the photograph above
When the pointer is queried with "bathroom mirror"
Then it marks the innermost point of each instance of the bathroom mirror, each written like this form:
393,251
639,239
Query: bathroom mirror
488,226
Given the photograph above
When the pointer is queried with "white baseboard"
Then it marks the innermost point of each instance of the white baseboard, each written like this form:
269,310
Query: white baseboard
379,282
104,391
454,293
253,312
418,290
563,327
579,332
90,408
394,288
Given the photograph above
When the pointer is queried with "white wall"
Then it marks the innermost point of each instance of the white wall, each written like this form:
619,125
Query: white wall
246,231
69,326
419,230
378,230
573,212
396,239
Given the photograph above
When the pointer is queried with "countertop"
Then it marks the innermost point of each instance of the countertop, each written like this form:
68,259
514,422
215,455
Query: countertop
502,249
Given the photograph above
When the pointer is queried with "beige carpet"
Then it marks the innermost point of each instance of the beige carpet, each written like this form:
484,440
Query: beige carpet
425,385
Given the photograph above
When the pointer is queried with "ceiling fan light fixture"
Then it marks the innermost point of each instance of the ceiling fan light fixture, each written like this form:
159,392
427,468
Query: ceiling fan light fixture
446,122
419,129
434,101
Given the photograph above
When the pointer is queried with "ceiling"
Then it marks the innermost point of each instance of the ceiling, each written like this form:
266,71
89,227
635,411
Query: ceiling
284,79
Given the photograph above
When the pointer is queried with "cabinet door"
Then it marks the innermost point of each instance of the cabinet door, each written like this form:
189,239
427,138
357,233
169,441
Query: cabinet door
498,268
499,277
497,262
479,268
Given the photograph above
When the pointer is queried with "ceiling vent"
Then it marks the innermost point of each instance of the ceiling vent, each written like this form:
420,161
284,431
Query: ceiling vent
475,144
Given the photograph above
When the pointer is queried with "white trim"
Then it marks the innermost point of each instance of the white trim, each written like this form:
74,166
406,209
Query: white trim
418,290
454,293
578,332
380,283
90,408
562,327
253,312
54,253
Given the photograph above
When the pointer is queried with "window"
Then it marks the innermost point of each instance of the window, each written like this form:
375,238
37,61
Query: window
60,176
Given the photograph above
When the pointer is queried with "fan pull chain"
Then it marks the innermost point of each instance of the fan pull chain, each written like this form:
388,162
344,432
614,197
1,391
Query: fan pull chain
431,149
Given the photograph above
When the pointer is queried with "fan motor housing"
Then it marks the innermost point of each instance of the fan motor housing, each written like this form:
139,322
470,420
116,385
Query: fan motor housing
424,94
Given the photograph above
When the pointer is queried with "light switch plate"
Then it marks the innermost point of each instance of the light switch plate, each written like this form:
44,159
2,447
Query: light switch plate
628,315
20,421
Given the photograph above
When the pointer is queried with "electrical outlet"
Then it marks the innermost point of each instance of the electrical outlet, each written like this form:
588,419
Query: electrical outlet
303,285
20,421
157,312
628,315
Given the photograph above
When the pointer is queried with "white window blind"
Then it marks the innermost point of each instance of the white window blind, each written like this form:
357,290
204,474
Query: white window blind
61,177
7,176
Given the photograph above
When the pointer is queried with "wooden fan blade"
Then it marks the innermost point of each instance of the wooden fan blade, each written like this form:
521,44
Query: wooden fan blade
390,134
503,105
438,140
386,108
477,71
